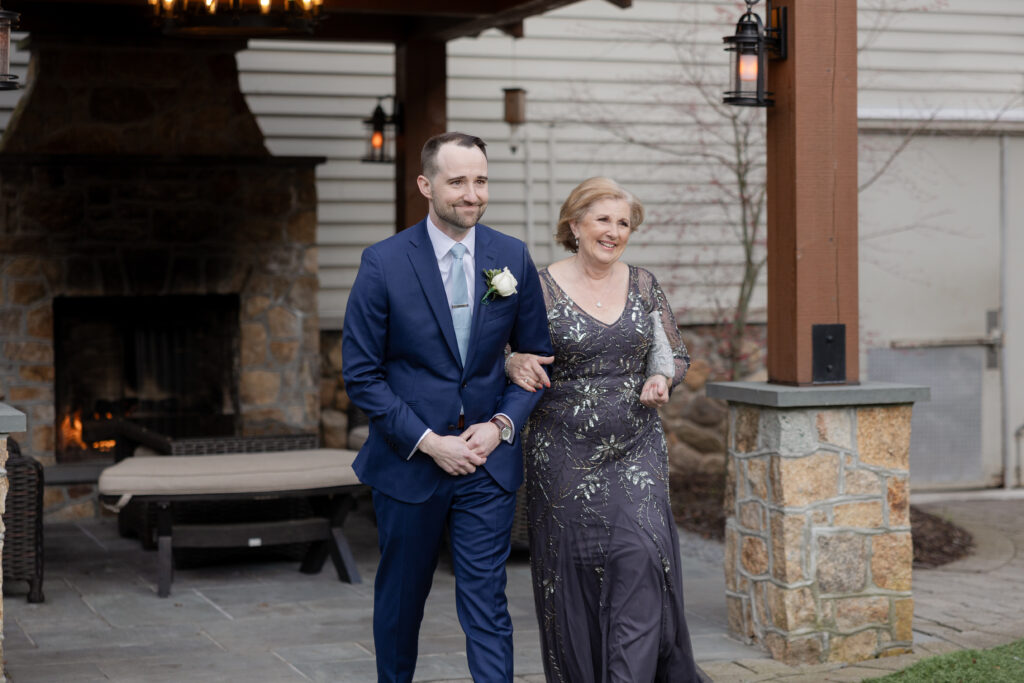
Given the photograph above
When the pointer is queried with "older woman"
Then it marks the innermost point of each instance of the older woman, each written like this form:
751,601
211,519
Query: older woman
604,547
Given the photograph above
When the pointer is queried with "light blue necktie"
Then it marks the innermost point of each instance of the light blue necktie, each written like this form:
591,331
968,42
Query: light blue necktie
461,317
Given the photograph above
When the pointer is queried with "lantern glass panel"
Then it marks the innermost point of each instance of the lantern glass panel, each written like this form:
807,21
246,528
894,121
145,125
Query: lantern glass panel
748,69
758,85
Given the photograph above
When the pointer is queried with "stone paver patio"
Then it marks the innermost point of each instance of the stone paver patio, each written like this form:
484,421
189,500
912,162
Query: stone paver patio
262,620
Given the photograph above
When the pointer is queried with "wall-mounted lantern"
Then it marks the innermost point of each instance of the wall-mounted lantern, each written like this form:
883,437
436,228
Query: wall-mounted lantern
751,46
243,18
382,128
8,81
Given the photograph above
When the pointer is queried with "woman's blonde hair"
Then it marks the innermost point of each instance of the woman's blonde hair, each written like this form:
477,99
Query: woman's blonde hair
583,197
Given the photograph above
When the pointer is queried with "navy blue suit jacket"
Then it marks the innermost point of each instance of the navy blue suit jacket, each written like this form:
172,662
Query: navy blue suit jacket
401,361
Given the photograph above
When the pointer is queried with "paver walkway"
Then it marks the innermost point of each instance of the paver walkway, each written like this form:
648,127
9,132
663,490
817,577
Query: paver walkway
259,621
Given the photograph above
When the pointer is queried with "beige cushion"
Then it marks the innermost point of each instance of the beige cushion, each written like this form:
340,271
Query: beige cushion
230,473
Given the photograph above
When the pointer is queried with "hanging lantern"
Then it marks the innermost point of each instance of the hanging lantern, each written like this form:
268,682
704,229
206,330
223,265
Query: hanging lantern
8,81
751,47
381,128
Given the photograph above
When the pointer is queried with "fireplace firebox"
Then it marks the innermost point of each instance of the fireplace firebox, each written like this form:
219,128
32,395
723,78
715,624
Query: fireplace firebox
167,363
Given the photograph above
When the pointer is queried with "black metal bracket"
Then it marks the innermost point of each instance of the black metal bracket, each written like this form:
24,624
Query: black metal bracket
828,354
776,31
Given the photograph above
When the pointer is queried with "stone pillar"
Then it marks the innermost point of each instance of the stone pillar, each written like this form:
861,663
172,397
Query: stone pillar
818,551
11,422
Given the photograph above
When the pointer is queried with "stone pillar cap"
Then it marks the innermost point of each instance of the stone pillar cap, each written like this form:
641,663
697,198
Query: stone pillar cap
11,420
785,396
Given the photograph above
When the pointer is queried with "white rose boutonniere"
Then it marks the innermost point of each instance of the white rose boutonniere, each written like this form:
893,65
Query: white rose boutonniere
500,283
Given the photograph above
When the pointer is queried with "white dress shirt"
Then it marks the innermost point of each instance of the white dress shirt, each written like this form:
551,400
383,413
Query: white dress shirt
442,245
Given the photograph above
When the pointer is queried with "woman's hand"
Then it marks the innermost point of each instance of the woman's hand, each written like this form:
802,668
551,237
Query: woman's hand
526,370
655,391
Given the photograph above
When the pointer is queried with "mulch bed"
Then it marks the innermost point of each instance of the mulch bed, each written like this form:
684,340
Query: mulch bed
936,540
697,506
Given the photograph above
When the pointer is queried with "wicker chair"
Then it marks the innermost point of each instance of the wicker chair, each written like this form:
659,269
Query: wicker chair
23,522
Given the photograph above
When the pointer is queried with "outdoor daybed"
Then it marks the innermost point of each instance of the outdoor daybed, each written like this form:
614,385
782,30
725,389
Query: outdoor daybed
323,476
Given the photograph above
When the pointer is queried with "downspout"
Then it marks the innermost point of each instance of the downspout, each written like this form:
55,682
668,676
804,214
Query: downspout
552,199
1009,469
528,190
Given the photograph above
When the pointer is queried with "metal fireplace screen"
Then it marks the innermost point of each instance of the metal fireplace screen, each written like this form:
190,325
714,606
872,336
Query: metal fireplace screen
168,363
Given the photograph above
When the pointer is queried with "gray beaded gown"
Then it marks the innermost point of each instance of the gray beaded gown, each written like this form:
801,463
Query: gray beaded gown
604,549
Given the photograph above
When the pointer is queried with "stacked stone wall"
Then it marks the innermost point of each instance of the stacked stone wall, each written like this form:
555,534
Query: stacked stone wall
98,199
83,229
818,547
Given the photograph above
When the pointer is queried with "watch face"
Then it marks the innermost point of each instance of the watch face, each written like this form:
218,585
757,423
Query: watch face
506,434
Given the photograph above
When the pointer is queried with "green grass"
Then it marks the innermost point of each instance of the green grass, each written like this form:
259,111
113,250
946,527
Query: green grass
1004,664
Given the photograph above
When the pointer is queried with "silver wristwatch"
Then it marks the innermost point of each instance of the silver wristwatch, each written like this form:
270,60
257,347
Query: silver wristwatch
503,428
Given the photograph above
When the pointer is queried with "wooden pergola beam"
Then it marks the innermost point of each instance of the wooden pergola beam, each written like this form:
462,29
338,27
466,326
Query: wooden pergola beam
812,189
421,79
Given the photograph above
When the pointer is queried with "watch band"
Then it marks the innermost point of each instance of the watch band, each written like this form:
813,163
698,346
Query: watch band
504,431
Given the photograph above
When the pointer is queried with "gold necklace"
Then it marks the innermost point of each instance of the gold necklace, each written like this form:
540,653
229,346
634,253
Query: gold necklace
586,278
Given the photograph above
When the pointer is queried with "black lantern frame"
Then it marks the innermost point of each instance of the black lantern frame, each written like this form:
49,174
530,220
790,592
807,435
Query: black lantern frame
751,47
8,81
382,128
241,18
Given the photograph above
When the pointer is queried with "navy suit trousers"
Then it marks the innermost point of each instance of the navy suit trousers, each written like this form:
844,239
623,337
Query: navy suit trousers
478,514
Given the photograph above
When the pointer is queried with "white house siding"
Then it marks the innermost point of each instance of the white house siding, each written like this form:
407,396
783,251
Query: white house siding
581,65
952,59
591,63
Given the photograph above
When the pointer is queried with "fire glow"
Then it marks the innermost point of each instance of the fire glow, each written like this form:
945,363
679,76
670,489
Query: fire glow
71,434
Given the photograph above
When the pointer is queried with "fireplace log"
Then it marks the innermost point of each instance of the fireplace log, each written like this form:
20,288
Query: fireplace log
125,432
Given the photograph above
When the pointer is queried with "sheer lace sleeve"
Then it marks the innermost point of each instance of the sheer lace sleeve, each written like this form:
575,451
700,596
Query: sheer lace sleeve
549,297
668,350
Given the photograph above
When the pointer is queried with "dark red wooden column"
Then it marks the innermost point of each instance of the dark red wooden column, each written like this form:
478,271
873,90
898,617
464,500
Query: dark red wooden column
421,87
812,188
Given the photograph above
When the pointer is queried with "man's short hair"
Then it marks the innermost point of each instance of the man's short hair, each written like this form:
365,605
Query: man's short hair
428,157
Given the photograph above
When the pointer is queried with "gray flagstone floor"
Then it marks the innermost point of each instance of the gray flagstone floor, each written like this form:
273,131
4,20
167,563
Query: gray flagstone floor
261,620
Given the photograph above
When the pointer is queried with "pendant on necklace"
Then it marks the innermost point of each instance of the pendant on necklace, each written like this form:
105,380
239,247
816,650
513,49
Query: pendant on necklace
599,304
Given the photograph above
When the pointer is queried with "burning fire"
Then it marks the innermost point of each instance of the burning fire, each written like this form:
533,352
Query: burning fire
71,431
71,434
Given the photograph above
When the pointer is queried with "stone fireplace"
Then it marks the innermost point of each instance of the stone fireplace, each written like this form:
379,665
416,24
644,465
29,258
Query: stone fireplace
155,261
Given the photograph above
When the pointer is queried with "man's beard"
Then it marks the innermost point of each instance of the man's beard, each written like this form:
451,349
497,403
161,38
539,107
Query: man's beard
449,213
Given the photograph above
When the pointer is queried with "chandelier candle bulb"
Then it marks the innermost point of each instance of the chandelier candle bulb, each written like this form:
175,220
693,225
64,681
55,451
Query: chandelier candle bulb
237,18
748,68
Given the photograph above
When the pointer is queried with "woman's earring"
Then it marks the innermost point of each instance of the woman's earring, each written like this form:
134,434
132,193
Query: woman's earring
577,242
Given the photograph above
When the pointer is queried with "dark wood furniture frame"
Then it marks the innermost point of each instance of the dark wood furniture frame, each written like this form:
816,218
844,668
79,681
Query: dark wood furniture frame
323,531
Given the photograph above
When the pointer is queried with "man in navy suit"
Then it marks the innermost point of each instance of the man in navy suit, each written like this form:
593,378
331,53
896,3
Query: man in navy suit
423,350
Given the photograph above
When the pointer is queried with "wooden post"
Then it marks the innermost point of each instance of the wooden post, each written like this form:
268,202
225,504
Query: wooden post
421,86
812,188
